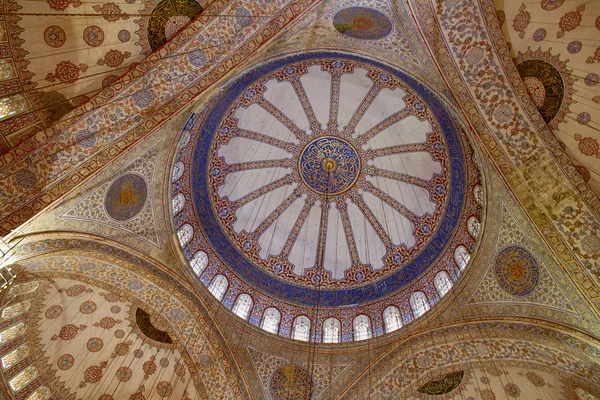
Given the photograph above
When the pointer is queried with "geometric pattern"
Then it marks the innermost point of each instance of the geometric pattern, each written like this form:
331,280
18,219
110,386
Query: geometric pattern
266,366
119,207
517,271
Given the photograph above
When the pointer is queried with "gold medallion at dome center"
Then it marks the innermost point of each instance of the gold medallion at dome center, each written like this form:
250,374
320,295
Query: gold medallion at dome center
329,164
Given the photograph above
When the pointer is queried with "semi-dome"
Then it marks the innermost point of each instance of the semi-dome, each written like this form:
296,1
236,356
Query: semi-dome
326,196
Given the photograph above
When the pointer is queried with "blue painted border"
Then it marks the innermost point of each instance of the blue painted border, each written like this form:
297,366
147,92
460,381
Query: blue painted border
307,296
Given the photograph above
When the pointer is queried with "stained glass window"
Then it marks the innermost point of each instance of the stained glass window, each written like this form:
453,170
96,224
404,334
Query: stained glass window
442,283
391,319
15,356
7,70
462,257
218,286
41,393
331,331
10,106
584,395
301,328
419,303
270,322
15,309
199,262
12,332
362,328
178,202
178,171
242,306
23,378
185,234
473,226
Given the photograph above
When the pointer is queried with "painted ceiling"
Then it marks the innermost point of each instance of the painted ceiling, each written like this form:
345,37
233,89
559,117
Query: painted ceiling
165,204
57,54
556,50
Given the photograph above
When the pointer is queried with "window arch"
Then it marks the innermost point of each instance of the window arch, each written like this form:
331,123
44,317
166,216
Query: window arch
270,322
12,105
178,203
185,234
362,328
474,227
392,319
218,286
12,332
331,331
7,70
461,256
419,303
242,306
442,283
199,262
178,171
478,192
301,328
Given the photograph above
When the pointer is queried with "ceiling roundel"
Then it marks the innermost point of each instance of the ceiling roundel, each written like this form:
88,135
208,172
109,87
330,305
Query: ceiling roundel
328,178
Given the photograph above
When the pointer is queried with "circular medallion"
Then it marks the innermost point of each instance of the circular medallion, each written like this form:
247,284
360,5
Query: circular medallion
591,79
65,362
362,23
548,82
85,138
574,47
169,17
329,165
517,271
550,5
55,36
296,188
539,35
124,35
93,35
126,197
584,118
291,382
26,178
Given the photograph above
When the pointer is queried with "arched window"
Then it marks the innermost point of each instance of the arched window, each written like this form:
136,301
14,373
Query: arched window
12,332
362,328
301,328
178,202
270,322
15,356
199,262
242,306
218,286
23,378
462,257
478,192
474,227
7,70
584,395
178,171
419,303
391,319
442,283
10,106
331,331
184,234
15,309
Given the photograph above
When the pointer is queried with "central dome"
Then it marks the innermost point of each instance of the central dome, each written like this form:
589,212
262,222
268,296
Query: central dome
327,178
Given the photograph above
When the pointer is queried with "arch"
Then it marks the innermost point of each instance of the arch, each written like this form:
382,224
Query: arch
392,319
301,328
218,286
199,262
178,171
270,322
419,303
185,234
331,331
474,227
242,306
462,256
178,203
442,283
362,328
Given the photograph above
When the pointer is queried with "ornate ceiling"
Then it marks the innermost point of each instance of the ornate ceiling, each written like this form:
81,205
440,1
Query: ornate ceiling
286,173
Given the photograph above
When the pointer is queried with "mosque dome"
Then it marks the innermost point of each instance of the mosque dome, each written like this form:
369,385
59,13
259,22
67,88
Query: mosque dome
326,188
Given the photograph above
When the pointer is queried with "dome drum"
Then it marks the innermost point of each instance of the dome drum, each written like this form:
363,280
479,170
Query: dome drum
330,179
